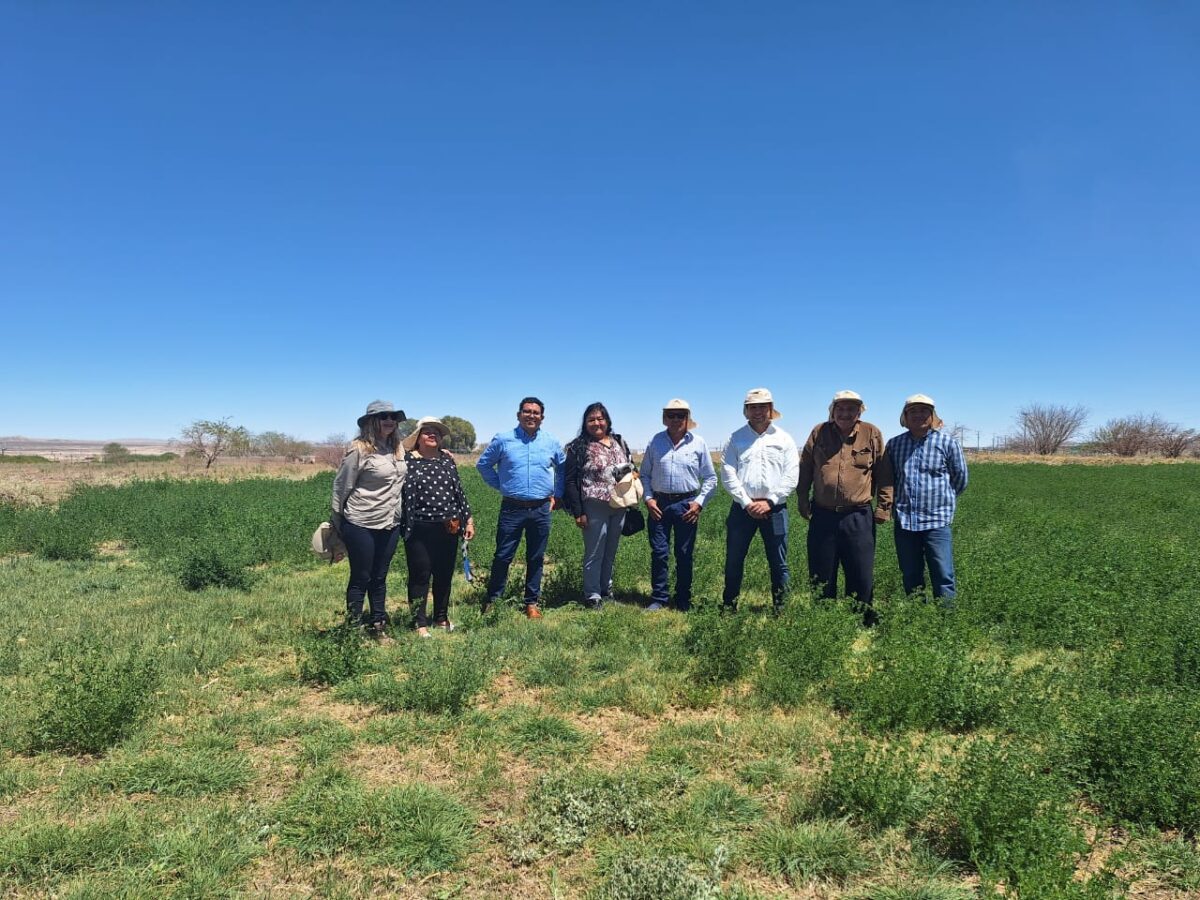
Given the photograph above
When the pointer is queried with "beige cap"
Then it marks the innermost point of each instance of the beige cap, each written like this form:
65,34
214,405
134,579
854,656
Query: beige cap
761,395
678,403
846,395
923,400
410,442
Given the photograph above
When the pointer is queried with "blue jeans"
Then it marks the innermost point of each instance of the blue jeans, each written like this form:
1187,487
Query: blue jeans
659,535
370,551
514,522
915,549
601,536
740,529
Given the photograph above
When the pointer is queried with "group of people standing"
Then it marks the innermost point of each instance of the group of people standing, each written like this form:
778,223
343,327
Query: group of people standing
847,481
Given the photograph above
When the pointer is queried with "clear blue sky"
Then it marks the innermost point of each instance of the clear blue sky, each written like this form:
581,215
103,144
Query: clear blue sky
280,211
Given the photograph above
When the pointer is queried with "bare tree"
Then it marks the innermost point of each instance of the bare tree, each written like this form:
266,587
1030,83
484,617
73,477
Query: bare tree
1130,435
330,451
1177,441
1045,428
211,438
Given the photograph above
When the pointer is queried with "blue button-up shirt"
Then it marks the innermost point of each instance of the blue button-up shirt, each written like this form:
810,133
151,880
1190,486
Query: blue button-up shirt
524,467
678,470
929,475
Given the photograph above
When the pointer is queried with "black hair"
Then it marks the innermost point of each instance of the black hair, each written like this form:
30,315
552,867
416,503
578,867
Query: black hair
541,405
594,407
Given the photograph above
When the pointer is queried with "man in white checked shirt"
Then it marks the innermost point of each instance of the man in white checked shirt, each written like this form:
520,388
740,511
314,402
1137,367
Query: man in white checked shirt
760,468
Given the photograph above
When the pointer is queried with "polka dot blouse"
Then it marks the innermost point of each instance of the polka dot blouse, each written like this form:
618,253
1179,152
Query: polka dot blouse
433,491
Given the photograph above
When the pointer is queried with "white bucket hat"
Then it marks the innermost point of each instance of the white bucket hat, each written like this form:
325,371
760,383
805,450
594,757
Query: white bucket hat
761,395
410,442
924,400
846,395
677,403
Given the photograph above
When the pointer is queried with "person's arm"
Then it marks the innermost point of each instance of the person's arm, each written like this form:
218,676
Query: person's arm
646,470
956,462
487,461
805,478
572,499
560,473
708,475
885,485
729,474
343,485
791,473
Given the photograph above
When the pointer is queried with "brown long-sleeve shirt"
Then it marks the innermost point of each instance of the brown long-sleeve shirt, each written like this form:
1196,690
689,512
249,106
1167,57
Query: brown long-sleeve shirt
843,471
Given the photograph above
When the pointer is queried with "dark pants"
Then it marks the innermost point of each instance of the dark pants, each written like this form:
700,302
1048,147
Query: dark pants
659,535
845,539
740,528
915,549
370,551
514,522
430,552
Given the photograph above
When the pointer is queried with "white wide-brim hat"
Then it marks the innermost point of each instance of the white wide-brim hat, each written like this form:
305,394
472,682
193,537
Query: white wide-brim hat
924,400
678,403
410,442
761,395
846,395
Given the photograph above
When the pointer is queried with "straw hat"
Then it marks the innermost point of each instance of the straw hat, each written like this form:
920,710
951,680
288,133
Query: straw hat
761,395
410,442
846,395
682,404
923,400
375,407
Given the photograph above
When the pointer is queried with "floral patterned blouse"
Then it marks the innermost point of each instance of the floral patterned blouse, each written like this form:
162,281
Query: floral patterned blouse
597,476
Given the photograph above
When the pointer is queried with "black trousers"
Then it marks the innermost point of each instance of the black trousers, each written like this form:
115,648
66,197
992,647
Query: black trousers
370,551
847,540
431,553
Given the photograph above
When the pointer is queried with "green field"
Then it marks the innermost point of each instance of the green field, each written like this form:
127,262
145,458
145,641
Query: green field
181,713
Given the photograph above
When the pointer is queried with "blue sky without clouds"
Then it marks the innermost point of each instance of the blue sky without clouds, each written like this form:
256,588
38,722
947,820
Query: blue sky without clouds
280,211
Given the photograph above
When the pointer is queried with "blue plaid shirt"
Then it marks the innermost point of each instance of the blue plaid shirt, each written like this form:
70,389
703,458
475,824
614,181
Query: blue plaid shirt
678,470
929,475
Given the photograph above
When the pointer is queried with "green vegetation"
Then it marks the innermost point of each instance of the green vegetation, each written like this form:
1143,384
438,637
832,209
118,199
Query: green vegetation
184,712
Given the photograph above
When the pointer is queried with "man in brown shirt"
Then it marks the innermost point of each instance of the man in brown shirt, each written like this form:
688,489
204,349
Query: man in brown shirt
839,475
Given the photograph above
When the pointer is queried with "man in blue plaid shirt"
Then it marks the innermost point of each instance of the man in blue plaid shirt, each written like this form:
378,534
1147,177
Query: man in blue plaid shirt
929,471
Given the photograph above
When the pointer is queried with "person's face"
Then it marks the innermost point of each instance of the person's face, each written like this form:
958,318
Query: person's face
676,422
529,417
387,424
919,418
596,424
429,439
845,415
759,415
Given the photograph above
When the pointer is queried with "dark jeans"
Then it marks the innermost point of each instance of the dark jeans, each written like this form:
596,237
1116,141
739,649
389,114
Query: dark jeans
845,539
370,551
915,549
514,522
430,552
740,528
659,535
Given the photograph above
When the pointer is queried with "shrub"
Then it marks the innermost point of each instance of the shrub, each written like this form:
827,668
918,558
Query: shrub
1006,814
828,851
435,677
208,566
62,538
722,646
93,698
876,785
803,645
923,672
657,878
332,655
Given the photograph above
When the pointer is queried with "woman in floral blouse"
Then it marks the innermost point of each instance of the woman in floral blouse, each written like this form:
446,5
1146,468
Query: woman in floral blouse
595,460
436,513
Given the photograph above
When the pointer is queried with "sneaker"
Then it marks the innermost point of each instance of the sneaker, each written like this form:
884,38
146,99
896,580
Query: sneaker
423,632
656,606
445,625
532,612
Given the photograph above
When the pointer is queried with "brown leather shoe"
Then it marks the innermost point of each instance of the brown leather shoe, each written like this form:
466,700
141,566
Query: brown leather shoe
532,612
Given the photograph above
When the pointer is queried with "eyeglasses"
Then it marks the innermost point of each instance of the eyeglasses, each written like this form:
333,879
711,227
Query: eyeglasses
531,412
431,432
389,417
676,415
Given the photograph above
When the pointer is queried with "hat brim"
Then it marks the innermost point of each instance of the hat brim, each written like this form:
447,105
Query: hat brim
398,413
410,442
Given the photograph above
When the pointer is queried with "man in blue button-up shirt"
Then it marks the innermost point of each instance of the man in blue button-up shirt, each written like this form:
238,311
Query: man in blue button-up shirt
526,466
678,478
929,471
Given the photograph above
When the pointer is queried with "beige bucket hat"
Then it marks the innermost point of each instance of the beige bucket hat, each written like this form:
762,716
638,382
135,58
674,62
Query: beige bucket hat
846,395
923,400
377,407
677,403
761,395
410,442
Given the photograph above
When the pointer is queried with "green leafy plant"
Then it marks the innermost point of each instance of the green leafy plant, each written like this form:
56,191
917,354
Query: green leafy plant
332,655
802,646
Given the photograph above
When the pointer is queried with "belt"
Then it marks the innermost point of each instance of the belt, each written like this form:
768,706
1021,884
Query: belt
664,497
524,504
849,507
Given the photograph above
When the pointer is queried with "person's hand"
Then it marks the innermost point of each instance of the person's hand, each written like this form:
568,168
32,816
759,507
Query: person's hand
652,508
693,512
759,509
469,534
880,518
555,503
338,556
805,512
581,521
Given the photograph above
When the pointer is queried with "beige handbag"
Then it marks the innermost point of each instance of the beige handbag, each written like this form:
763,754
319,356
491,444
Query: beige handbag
626,493
327,543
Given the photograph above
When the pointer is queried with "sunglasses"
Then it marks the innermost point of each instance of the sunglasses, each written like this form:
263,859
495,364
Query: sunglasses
676,415
390,417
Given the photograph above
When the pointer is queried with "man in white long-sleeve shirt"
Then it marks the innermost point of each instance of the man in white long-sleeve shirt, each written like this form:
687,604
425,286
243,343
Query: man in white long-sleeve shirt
759,468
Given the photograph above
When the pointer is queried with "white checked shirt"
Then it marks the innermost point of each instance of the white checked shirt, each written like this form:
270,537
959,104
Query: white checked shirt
760,466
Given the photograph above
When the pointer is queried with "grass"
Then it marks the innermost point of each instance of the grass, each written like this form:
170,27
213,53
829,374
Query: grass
236,739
